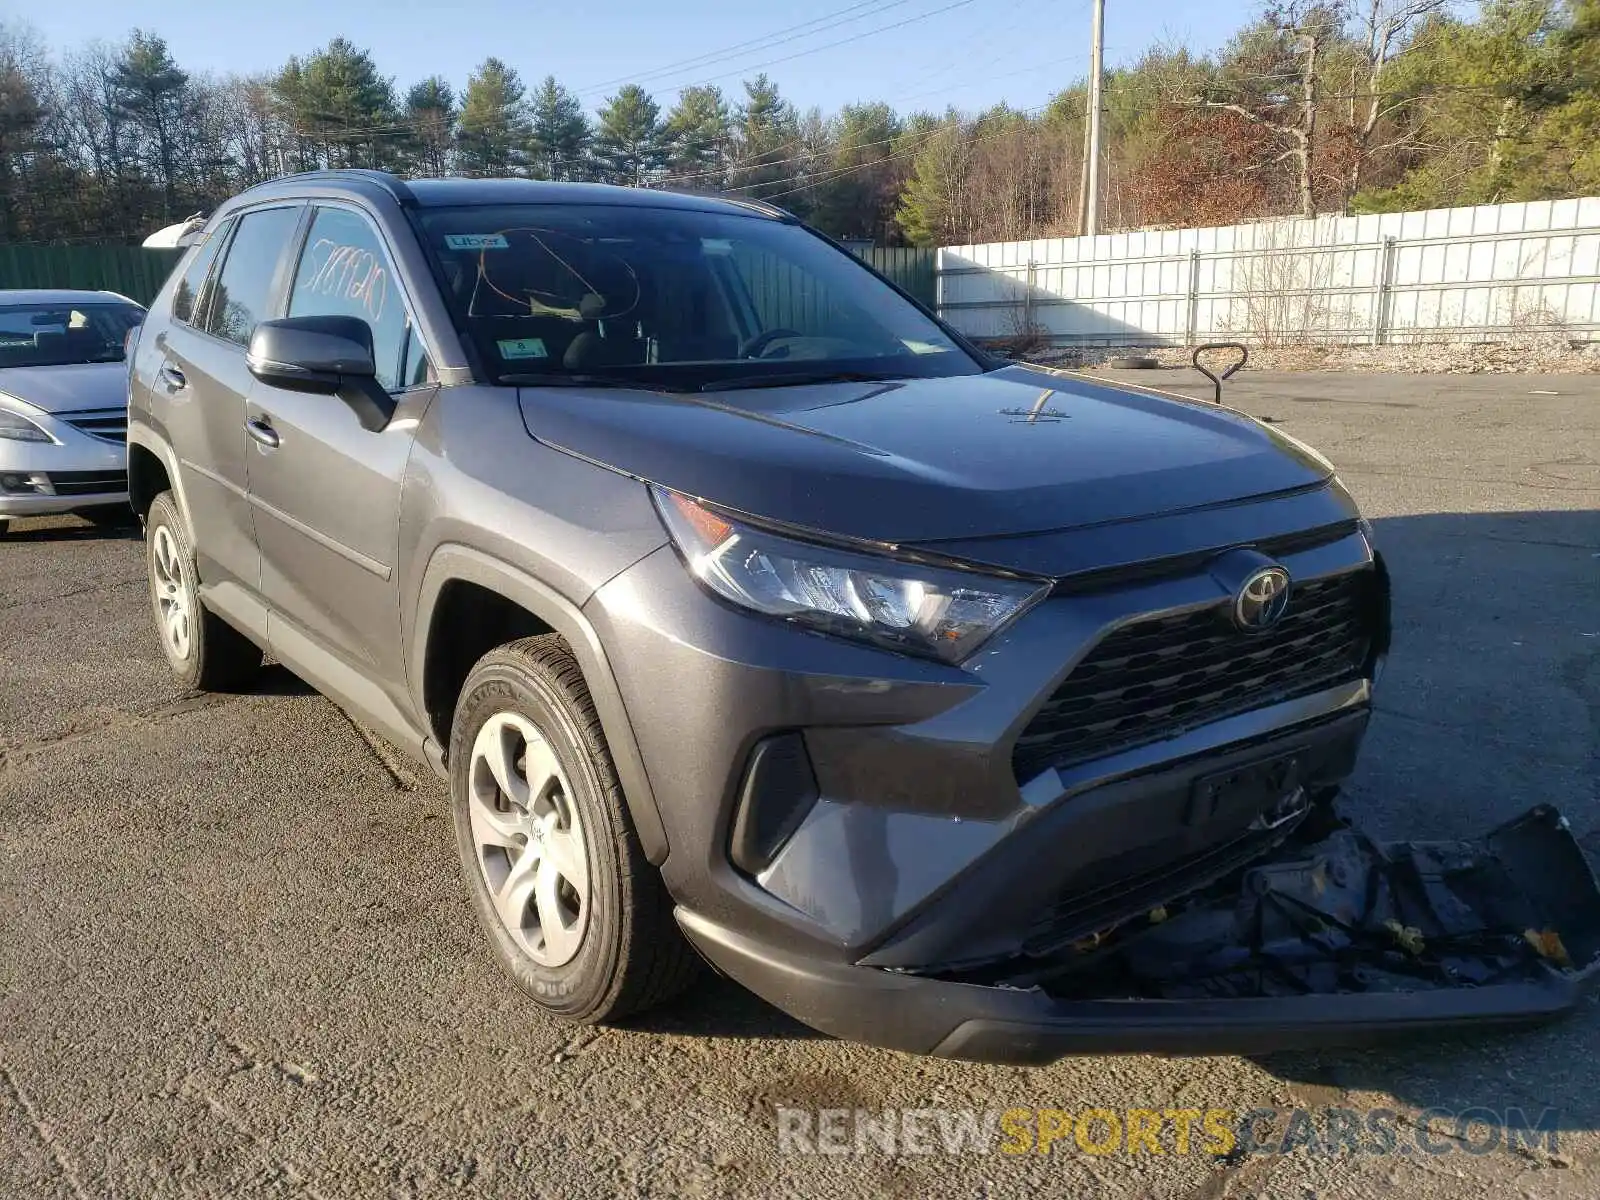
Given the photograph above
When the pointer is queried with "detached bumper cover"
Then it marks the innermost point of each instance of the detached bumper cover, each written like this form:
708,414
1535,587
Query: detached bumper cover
1344,940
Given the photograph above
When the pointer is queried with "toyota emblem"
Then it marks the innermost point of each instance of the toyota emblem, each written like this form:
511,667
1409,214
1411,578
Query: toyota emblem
1262,600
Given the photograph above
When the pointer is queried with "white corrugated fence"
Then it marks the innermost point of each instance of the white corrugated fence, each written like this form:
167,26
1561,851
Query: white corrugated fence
1484,273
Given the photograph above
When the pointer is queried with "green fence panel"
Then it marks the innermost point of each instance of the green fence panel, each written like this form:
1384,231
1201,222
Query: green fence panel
912,267
131,271
785,296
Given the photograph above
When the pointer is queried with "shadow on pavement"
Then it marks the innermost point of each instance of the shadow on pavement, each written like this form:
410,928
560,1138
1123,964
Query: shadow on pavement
109,524
717,1007
277,680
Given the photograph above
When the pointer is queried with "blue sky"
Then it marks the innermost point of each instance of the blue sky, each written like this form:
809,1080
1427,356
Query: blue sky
973,54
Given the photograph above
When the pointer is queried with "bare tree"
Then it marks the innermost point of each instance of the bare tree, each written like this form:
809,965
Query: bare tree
1385,24
1297,33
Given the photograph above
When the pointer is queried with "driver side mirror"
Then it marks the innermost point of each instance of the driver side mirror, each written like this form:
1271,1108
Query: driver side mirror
325,356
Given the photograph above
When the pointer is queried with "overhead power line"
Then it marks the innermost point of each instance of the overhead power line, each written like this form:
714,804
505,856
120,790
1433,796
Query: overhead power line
752,46
920,141
772,62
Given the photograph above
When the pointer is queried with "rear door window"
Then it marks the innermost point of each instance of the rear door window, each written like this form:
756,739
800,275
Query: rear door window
186,298
242,294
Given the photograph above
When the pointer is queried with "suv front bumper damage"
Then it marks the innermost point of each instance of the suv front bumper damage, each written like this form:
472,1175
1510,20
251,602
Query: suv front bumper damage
1342,939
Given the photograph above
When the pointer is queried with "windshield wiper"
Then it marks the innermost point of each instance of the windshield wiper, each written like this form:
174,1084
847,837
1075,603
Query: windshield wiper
578,379
796,379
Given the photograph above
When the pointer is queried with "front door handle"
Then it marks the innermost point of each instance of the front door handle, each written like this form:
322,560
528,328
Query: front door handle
172,377
262,432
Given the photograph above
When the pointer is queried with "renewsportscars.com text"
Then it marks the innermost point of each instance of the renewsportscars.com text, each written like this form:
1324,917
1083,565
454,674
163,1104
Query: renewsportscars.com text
1218,1132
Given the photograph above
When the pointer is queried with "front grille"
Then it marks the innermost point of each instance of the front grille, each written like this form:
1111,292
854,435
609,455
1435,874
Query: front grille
107,424
1155,678
87,483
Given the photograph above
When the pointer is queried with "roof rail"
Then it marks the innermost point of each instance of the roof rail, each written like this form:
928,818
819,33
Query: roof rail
388,181
765,207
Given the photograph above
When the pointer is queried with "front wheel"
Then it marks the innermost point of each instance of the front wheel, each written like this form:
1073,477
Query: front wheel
203,650
574,912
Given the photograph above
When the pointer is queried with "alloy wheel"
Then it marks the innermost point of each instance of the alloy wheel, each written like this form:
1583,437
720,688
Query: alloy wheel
528,839
172,596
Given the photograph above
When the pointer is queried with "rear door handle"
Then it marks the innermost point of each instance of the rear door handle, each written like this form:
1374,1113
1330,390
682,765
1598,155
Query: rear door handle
263,433
173,377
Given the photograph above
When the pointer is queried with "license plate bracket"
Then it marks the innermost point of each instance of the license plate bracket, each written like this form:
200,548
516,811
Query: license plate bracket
1244,792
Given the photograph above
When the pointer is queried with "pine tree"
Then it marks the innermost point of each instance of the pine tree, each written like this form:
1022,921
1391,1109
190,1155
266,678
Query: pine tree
21,112
342,111
856,197
928,212
699,129
152,92
493,133
630,143
431,115
559,134
769,135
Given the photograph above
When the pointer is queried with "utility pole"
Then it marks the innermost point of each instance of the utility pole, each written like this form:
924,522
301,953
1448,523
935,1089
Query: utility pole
1089,192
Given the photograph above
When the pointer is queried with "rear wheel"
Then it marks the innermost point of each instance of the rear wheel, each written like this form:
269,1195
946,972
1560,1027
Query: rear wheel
202,649
575,913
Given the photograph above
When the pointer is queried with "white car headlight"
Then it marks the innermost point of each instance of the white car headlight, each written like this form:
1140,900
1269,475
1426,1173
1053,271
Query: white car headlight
15,427
934,611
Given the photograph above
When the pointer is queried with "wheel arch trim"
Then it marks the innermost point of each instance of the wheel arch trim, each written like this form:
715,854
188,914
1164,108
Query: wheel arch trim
453,562
147,439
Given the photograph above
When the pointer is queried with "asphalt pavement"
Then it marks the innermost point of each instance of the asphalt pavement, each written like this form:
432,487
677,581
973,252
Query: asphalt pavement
236,958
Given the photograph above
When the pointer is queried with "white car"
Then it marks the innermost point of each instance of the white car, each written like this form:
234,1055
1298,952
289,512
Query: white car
63,401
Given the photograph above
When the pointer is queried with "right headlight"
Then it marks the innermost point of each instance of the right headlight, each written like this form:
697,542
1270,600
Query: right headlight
933,611
15,427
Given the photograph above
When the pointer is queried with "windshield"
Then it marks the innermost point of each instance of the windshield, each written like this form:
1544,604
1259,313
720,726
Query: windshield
673,299
56,335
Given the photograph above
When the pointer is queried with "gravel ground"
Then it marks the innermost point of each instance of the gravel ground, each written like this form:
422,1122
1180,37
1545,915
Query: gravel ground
235,957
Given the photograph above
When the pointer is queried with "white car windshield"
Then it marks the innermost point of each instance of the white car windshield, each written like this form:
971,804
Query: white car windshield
673,298
56,335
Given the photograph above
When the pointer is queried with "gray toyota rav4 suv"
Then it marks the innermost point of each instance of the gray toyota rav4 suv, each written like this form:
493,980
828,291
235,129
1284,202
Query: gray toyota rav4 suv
753,615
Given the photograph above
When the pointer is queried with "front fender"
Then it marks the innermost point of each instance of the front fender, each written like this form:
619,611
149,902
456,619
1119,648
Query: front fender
454,562
143,436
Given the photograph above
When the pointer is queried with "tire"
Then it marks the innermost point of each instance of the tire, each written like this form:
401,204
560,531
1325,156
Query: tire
203,650
5,523
592,955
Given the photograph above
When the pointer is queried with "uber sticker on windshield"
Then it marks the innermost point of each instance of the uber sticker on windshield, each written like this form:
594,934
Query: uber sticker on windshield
522,348
475,241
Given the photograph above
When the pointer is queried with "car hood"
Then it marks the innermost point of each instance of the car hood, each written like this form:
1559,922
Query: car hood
67,388
914,461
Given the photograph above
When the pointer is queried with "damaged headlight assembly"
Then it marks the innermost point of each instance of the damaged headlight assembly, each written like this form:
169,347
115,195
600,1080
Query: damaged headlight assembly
935,612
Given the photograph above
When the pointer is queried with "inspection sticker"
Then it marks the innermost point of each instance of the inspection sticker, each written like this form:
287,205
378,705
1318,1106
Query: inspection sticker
475,241
522,348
